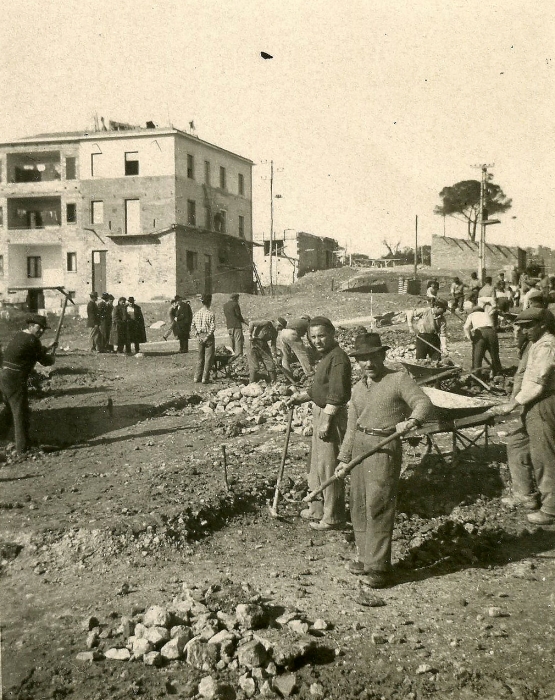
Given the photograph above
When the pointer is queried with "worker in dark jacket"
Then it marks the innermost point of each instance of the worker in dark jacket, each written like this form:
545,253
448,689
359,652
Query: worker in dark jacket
260,334
329,392
180,317
20,356
234,321
135,324
119,336
93,322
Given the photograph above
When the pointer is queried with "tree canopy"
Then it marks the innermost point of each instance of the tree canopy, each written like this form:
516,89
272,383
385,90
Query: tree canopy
464,198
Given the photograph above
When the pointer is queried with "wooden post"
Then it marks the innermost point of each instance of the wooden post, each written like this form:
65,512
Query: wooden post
225,468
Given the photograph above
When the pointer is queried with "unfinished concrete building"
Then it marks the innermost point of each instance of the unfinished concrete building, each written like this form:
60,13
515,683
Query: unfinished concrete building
142,212
294,254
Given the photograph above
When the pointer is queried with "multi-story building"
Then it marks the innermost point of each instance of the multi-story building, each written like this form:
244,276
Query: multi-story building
294,254
144,212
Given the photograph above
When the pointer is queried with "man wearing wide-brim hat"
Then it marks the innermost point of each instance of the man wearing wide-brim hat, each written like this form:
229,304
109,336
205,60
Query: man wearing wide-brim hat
382,402
20,356
536,400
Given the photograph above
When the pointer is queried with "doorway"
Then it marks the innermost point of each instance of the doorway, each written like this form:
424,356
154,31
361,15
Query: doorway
208,274
99,271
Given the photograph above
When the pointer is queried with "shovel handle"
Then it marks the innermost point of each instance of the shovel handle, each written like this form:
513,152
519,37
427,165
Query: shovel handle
354,462
283,458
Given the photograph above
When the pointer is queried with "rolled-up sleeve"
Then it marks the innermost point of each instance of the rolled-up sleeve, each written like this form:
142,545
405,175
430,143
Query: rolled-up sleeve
346,451
540,370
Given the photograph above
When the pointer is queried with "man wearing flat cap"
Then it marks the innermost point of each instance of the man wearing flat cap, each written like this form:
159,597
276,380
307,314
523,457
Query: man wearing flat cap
93,322
535,487
329,392
292,346
20,356
383,402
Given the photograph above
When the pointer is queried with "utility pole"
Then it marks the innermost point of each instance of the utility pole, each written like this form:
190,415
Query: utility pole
271,228
415,246
483,220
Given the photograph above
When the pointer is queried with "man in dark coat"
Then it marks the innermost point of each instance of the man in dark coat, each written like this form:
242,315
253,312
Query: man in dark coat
20,356
93,322
135,324
234,322
106,310
181,317
119,336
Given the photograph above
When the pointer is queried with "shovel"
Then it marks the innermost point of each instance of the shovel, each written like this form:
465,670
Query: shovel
274,507
354,462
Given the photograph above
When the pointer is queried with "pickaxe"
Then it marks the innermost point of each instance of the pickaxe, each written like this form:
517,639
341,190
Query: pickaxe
60,322
273,508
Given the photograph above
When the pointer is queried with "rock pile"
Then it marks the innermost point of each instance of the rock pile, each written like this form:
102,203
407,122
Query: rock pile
246,645
258,403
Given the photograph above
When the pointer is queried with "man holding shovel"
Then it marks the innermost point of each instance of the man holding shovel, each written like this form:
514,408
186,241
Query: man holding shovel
383,402
329,392
430,327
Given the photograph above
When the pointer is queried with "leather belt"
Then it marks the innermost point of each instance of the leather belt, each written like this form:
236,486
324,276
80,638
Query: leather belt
379,432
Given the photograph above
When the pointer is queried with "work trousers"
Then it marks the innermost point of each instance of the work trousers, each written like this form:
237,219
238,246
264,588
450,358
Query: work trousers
374,486
457,302
259,352
292,346
206,353
183,343
127,347
323,460
423,350
96,339
540,426
523,481
16,407
486,339
237,340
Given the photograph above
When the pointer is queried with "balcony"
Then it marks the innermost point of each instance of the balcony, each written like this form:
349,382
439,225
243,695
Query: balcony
33,166
34,219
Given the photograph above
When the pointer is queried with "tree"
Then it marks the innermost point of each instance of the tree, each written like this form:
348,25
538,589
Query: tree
464,198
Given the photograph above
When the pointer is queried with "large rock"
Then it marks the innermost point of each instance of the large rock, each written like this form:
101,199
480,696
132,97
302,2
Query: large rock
183,631
175,647
118,654
157,616
90,656
157,636
202,655
252,390
247,685
285,684
250,616
141,646
252,654
210,689
287,651
153,658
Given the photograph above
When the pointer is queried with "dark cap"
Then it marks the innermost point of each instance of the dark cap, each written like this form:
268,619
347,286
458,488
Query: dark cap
131,299
38,319
105,295
282,321
176,298
534,315
321,321
234,296
368,343
93,295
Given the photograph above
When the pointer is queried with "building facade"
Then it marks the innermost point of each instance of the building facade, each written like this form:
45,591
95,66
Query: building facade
143,212
294,254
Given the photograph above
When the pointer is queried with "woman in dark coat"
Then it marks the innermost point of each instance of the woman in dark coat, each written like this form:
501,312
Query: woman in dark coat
119,337
136,324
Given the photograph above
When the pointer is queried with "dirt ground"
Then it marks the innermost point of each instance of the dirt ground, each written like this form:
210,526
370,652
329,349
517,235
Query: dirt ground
133,503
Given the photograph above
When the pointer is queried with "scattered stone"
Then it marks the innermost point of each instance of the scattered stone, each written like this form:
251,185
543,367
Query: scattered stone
298,626
175,647
317,690
320,625
285,684
153,658
497,612
201,655
210,689
252,654
250,616
118,654
424,668
127,626
247,685
92,639
90,623
90,656
369,600
140,647
157,635
378,639
157,616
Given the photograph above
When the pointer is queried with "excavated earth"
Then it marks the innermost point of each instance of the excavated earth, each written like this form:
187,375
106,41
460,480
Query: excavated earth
131,501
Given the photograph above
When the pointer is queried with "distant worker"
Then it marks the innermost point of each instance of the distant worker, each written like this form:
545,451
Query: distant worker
504,296
93,323
479,328
474,287
234,321
292,346
486,295
430,327
20,356
262,335
432,289
204,326
329,392
181,318
119,336
457,294
136,324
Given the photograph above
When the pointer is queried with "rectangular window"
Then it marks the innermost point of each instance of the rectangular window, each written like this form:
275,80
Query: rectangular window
71,213
190,166
191,212
97,212
1,216
71,170
1,266
71,262
132,163
241,227
132,216
95,164
34,267
206,172
278,248
241,183
222,178
192,261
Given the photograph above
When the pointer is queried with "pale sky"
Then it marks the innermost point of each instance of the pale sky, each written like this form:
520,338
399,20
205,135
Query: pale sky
368,108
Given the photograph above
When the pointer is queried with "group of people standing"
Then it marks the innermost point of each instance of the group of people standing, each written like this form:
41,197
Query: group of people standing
114,329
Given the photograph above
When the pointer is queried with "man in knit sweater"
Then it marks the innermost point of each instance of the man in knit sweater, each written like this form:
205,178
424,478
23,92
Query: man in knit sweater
383,402
329,392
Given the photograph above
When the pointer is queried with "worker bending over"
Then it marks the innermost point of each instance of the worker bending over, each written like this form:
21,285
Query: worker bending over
262,335
430,327
479,328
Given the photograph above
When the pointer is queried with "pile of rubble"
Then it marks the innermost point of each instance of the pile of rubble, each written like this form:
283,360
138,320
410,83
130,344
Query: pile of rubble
258,403
247,645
